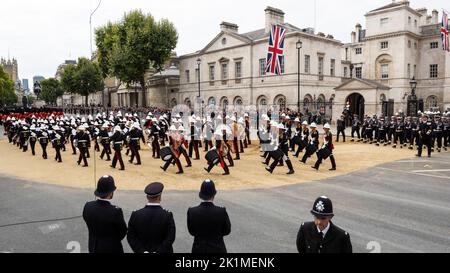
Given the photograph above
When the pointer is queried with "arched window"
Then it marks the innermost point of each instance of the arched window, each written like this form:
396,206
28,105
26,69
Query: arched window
173,102
280,100
212,101
187,102
382,98
261,101
238,101
224,102
432,102
307,101
321,101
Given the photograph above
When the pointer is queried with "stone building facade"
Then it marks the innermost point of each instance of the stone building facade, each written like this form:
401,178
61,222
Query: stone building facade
399,43
373,72
232,69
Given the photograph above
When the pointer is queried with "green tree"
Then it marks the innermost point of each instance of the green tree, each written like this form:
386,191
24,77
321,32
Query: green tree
7,94
51,90
129,48
84,78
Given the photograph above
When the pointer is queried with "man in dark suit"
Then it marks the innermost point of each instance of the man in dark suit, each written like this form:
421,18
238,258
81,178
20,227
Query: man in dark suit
322,236
208,223
152,229
107,227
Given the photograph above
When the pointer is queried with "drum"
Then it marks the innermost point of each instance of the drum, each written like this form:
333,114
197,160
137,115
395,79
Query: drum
212,157
311,149
297,140
277,154
166,154
325,153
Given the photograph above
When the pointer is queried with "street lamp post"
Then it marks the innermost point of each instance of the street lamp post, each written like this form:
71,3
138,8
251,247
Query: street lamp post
199,62
413,104
90,24
199,97
299,47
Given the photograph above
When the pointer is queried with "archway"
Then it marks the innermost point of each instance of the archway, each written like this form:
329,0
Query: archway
357,105
280,101
238,101
261,101
224,102
173,103
212,101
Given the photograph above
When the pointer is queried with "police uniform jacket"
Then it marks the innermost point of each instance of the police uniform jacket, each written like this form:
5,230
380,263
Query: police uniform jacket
208,224
309,240
106,225
151,229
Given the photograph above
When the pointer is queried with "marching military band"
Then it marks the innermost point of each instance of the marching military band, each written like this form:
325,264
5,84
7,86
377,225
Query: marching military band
220,138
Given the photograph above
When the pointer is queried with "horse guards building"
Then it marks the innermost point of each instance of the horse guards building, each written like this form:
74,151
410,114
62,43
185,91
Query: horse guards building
372,74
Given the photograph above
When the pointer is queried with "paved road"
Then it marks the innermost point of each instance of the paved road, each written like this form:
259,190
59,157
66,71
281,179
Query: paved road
404,206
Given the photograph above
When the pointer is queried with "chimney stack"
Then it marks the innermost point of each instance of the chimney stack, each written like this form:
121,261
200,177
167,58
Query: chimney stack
435,17
353,37
358,32
229,27
273,17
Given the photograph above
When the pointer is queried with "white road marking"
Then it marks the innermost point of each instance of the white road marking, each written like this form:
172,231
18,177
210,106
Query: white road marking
422,161
430,171
52,227
409,172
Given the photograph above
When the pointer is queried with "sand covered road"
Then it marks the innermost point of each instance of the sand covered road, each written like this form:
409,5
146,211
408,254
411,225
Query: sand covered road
248,173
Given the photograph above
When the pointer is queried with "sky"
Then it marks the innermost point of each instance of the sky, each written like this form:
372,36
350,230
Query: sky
42,34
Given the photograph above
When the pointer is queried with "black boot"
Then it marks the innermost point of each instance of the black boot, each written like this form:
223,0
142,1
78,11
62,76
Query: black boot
272,166
291,168
333,163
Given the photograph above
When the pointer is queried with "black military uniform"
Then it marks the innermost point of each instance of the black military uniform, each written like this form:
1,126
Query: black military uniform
356,127
208,223
107,227
425,136
33,140
103,136
438,133
152,229
311,239
312,147
303,139
194,135
155,132
340,128
83,141
24,135
283,146
43,141
135,136
57,145
326,151
117,141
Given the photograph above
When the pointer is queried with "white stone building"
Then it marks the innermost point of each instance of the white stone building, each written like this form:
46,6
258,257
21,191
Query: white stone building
399,43
373,71
232,69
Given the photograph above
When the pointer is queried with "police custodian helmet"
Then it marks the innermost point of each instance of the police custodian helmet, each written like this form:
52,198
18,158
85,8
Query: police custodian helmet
323,207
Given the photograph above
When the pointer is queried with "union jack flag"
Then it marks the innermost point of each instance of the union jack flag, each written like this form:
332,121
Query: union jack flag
444,32
275,56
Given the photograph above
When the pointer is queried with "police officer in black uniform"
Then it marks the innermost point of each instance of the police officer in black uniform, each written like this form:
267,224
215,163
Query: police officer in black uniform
107,227
208,223
152,229
322,236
